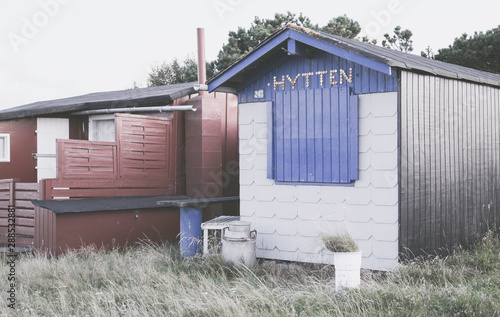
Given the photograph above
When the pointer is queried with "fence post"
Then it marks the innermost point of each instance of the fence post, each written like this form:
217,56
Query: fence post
59,158
46,189
12,192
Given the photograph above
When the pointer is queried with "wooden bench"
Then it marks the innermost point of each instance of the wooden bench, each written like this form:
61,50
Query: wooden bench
218,223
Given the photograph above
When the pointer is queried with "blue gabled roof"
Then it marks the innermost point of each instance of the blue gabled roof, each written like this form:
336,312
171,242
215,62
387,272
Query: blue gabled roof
378,58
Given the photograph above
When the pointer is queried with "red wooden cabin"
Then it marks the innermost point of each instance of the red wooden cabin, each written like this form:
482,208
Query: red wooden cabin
137,143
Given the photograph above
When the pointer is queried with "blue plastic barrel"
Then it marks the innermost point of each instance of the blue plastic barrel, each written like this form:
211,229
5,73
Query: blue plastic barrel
190,231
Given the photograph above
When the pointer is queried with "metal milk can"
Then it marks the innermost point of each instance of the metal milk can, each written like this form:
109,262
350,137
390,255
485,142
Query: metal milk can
238,243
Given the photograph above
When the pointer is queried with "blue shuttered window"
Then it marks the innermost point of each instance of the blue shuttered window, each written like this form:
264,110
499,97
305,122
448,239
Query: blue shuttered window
315,136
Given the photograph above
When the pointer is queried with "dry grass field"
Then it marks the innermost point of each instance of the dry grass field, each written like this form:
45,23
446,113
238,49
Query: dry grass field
153,280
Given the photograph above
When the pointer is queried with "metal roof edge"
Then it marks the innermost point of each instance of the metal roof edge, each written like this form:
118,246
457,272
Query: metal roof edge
65,105
391,58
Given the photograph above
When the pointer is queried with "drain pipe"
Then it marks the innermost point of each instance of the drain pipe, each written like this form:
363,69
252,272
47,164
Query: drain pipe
135,109
190,217
202,66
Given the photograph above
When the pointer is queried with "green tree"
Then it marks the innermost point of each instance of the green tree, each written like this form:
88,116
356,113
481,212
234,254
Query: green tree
242,41
480,51
366,39
176,72
400,40
428,53
342,26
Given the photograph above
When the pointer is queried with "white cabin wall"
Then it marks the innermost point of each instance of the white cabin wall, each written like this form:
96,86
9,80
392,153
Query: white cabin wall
290,219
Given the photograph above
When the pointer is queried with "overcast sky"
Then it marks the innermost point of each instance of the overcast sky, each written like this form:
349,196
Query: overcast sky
52,49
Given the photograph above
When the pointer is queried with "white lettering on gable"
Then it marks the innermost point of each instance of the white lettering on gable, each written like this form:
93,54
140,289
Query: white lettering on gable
342,75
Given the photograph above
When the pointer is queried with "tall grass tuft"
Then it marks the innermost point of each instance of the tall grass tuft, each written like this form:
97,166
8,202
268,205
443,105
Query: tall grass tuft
340,243
152,280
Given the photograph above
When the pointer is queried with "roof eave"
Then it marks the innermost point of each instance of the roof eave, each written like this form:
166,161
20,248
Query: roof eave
310,38
106,104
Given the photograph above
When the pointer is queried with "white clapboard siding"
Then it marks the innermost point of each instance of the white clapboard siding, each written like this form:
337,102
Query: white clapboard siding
290,219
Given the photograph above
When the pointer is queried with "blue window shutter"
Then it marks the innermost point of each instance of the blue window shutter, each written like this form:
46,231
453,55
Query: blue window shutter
344,135
270,141
318,105
314,136
279,136
335,134
326,119
295,136
302,156
287,137
309,134
353,137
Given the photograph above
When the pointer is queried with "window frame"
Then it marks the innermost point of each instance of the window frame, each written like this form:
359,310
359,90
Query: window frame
6,137
104,117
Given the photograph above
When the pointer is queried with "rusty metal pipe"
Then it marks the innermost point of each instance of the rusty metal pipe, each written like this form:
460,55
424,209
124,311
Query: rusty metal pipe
202,68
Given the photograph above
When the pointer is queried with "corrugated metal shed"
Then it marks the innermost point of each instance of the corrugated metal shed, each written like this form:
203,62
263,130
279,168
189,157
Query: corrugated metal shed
450,164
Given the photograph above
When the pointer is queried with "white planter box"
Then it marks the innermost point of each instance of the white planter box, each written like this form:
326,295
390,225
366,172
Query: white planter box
347,270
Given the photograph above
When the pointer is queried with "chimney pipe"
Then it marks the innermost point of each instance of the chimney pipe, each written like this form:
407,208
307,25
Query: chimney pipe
202,68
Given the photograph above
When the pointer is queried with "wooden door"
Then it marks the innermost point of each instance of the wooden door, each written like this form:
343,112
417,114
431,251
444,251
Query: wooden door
47,131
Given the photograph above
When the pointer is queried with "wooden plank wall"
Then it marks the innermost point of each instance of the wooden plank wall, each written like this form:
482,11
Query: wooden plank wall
18,195
145,150
73,188
86,159
365,80
145,147
45,230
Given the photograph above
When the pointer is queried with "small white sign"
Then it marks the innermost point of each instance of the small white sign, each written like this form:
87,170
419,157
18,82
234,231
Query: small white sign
258,94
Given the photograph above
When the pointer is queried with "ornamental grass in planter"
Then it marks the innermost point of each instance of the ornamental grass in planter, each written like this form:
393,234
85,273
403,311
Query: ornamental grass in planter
347,260
340,243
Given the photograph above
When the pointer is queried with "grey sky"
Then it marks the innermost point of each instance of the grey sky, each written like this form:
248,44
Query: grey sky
52,49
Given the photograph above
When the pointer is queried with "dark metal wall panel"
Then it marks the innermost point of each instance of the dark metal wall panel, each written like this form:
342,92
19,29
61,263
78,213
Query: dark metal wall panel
449,142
